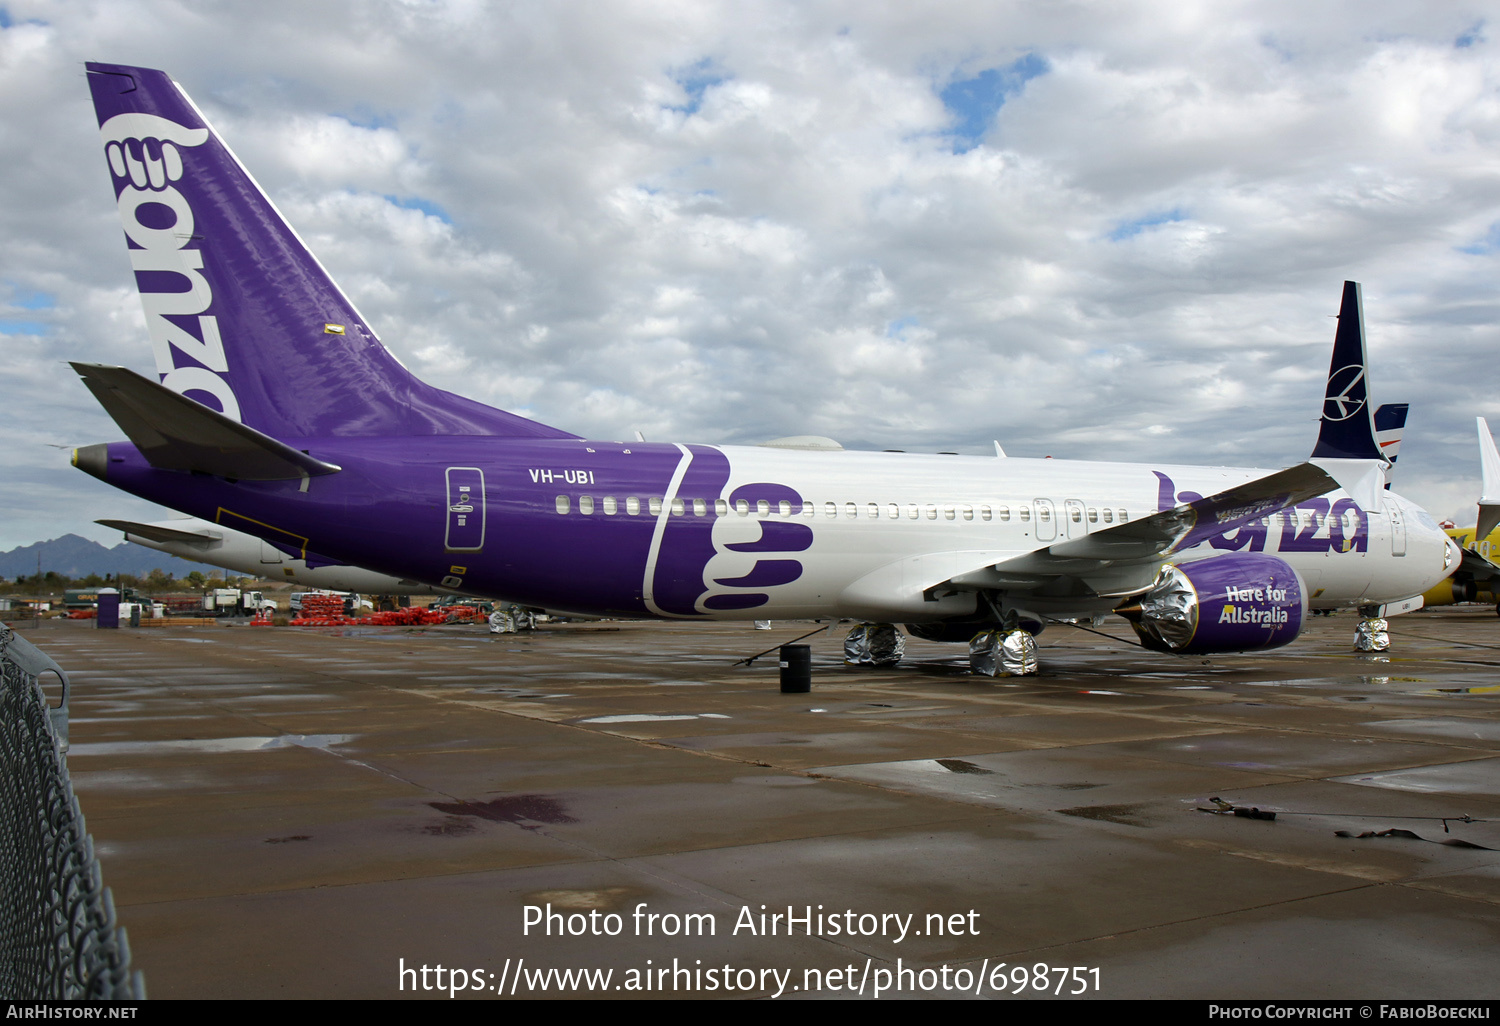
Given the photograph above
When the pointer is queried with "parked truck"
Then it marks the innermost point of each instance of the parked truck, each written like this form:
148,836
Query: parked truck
88,598
234,602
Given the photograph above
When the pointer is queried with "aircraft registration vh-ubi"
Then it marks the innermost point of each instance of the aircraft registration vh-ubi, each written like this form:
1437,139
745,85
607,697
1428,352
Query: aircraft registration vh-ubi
279,413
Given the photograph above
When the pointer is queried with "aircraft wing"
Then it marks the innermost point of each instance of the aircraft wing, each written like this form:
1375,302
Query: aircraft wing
1122,560
157,533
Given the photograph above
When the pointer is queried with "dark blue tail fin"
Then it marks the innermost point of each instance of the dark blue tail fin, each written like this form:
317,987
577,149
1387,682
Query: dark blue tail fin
1347,431
242,317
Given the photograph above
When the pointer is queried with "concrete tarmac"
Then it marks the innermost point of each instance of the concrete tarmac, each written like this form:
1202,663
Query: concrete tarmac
304,813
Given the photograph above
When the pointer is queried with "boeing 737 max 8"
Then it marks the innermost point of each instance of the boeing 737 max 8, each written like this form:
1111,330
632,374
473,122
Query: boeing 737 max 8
278,412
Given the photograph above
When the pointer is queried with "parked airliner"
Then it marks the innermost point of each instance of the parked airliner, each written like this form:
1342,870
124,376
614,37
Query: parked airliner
278,412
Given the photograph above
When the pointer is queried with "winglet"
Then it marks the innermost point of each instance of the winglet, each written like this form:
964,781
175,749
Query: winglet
1489,493
175,433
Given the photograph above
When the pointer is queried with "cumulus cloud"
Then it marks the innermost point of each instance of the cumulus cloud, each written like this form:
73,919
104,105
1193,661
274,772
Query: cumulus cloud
1099,230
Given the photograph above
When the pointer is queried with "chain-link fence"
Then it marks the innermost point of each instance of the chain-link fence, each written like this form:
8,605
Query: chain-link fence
58,937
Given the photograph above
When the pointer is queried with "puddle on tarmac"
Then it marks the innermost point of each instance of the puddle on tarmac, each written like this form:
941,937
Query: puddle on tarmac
518,693
960,766
775,781
652,717
210,744
528,811
1128,815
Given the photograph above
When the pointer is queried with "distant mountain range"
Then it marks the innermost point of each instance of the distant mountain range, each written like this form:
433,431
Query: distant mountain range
75,556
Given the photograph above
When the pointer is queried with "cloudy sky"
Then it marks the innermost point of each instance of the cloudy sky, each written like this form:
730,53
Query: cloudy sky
1095,230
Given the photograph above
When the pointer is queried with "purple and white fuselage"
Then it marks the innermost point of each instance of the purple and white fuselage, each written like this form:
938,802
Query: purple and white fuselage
305,432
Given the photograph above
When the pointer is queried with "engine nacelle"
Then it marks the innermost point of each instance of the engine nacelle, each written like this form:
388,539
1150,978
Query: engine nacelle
1230,603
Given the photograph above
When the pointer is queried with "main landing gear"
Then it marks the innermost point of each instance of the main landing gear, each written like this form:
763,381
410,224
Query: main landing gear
1004,652
874,644
1372,634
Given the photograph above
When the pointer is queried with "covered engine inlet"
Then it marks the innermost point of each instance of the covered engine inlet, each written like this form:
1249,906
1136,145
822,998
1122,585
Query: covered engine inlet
1224,604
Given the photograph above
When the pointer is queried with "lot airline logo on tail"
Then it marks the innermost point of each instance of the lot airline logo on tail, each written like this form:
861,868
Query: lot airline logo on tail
145,156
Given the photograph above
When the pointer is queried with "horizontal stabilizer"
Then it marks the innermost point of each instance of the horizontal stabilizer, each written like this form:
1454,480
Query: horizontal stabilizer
157,533
175,433
1187,525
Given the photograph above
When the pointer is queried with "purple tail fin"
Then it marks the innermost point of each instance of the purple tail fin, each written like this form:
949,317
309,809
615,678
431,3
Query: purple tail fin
242,316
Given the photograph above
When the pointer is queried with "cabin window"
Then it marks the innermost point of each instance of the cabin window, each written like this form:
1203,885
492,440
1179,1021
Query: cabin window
1005,513
654,504
721,507
968,512
742,507
700,507
1093,515
1075,514
1044,514
931,511
949,513
984,513
784,508
1024,512
830,509
610,506
763,508
851,510
562,504
633,506
1109,516
809,508
678,507
911,511
893,511
586,505
1123,516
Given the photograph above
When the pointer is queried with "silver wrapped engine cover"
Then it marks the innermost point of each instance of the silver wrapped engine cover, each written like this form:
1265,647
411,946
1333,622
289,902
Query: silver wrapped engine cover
1003,654
874,644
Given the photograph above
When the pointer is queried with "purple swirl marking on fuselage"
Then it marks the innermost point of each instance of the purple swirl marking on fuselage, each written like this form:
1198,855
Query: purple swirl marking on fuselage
768,573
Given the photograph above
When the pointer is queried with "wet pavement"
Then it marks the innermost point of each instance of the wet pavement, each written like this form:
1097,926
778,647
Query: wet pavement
292,812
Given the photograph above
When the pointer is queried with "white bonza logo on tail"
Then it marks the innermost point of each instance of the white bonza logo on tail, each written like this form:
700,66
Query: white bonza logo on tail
144,150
